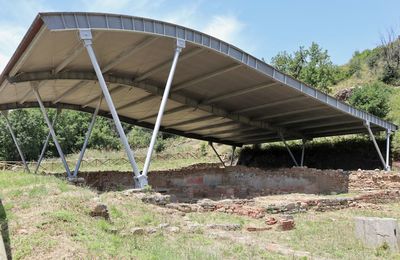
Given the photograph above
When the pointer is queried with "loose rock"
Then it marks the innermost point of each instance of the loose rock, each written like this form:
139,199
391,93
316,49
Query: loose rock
100,210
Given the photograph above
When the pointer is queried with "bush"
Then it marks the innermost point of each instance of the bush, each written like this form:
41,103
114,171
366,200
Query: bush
373,98
139,137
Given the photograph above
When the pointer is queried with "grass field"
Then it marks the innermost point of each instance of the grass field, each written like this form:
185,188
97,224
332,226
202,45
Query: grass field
44,217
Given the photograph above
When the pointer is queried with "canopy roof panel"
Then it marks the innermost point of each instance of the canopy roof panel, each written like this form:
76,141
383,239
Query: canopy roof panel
219,93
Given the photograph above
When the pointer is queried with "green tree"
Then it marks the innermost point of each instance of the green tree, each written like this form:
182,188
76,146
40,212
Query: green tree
312,65
373,98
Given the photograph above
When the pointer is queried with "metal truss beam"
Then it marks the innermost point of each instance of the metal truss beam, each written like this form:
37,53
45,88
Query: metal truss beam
229,131
71,90
168,112
114,90
72,55
192,121
271,104
294,112
205,77
164,65
338,123
302,120
137,102
203,128
21,61
157,91
128,120
239,92
127,53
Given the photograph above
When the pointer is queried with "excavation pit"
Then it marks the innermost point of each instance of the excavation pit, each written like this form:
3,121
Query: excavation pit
214,182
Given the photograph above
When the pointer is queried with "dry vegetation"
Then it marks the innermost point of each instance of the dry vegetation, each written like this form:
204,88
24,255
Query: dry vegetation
48,218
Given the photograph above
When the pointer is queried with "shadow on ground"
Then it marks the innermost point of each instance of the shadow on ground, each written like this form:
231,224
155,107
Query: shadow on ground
4,230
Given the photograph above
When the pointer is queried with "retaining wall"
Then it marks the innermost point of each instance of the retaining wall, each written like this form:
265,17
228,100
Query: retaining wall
236,181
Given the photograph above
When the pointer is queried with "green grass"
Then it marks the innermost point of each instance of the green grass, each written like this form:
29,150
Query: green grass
49,218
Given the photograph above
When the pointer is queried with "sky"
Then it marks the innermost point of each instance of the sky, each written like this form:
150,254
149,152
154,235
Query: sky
262,28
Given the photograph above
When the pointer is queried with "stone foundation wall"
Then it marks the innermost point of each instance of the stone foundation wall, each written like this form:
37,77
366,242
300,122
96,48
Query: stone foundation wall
238,181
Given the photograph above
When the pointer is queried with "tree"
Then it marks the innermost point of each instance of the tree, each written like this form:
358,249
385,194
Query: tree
391,58
312,65
373,98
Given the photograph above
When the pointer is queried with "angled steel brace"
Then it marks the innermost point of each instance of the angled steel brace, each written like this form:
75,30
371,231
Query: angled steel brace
180,44
233,154
86,37
371,135
88,133
4,113
288,149
46,142
215,151
52,132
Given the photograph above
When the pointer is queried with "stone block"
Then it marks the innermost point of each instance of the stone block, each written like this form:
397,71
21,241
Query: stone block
374,232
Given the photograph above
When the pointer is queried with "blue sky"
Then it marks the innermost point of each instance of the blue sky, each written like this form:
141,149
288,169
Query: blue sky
260,27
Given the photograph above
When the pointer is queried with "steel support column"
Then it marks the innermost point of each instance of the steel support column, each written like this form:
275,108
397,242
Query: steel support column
46,142
388,133
215,151
288,149
180,44
88,133
52,132
367,125
303,141
4,113
86,37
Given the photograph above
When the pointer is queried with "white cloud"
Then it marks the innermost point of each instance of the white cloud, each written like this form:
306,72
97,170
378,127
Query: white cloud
10,36
225,27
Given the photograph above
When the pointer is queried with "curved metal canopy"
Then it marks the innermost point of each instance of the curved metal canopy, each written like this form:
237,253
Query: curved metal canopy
219,92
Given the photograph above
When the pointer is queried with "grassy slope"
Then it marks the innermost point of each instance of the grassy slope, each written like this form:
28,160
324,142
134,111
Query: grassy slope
49,218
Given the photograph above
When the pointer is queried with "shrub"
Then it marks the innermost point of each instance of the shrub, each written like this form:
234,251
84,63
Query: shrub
373,98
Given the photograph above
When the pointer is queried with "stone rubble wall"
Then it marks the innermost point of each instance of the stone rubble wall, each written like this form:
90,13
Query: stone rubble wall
211,181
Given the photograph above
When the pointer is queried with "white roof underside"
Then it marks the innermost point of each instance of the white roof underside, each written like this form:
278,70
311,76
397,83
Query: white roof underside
219,93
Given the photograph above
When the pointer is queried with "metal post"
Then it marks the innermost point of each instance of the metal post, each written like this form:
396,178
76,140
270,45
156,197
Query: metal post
302,152
215,151
233,154
46,143
288,149
86,36
4,113
388,133
180,44
89,132
367,125
52,132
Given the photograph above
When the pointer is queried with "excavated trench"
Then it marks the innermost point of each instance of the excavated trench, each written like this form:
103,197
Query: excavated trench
211,181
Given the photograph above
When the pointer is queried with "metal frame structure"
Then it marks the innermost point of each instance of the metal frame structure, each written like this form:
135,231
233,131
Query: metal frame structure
180,44
21,154
46,142
34,86
88,133
385,163
287,109
216,153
